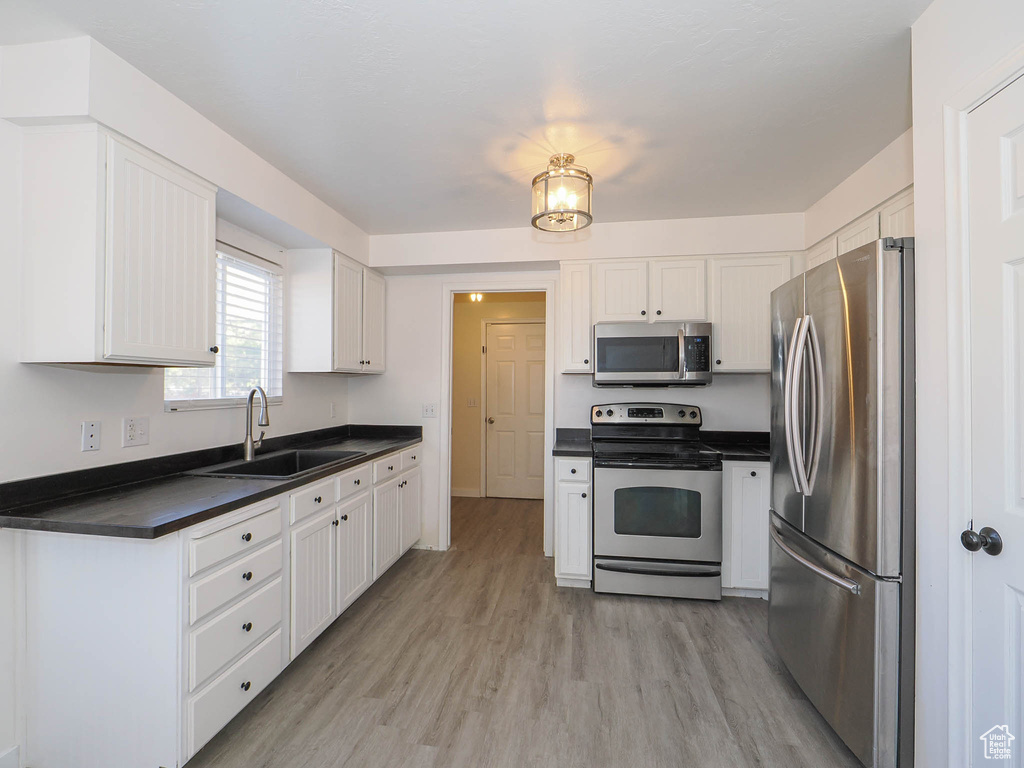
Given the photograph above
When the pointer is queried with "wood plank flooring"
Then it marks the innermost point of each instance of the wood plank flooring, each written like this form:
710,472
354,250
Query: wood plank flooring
474,658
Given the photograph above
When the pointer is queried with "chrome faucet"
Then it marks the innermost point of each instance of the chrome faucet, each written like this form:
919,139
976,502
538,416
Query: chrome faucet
250,445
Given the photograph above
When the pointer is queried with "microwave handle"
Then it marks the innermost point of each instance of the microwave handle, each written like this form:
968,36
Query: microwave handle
682,353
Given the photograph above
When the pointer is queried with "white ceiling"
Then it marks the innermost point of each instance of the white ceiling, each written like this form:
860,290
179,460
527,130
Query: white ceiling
413,116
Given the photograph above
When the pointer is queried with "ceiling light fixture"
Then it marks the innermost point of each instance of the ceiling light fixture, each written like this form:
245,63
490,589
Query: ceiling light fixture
562,196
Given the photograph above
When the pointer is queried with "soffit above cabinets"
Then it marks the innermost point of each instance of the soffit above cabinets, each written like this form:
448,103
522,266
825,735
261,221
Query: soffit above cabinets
417,117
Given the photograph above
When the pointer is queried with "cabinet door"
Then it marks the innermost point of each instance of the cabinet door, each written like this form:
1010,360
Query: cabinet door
411,503
160,261
897,216
355,550
746,499
822,252
678,290
620,290
740,308
374,302
861,232
387,526
573,553
314,581
575,337
348,314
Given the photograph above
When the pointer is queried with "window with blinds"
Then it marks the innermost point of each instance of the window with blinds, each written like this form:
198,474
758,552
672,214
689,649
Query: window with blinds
250,336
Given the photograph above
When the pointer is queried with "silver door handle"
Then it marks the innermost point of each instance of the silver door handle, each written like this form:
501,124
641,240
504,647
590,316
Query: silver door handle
850,586
794,394
787,404
817,388
490,419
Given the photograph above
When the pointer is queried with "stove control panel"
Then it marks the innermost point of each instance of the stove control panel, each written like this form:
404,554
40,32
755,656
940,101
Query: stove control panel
646,413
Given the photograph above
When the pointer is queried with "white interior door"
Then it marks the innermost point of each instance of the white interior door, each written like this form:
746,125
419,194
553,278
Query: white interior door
515,410
996,208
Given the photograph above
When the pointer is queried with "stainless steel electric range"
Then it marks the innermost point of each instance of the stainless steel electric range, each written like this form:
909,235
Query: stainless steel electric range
657,502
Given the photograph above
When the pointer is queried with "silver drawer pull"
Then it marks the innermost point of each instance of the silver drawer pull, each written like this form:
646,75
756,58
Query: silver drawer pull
850,586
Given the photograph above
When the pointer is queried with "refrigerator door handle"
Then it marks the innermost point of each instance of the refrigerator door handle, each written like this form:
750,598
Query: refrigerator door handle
796,423
817,402
787,404
850,586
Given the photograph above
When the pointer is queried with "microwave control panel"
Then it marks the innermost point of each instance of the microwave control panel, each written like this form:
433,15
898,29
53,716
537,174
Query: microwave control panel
697,353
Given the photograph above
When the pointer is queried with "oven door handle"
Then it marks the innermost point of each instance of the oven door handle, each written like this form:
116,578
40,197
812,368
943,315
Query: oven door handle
653,570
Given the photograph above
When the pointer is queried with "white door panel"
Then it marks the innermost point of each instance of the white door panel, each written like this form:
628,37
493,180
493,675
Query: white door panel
515,410
996,203
678,290
620,290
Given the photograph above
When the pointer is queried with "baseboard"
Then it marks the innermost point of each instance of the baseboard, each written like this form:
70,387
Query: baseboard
735,592
578,583
472,493
9,759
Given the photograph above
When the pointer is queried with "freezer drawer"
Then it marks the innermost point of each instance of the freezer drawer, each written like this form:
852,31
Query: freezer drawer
836,628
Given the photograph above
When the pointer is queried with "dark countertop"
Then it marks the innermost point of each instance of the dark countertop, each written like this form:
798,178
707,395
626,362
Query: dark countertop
734,446
572,442
159,501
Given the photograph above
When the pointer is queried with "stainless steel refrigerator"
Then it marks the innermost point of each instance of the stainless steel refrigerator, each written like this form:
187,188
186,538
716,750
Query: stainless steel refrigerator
841,605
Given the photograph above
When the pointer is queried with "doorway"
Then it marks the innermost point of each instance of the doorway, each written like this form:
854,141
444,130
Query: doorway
498,398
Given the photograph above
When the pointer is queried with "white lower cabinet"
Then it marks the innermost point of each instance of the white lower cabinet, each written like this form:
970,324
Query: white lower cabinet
573,549
355,549
411,508
746,496
314,579
387,526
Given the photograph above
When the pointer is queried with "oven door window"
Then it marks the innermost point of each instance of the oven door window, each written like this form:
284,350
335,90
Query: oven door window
651,354
656,511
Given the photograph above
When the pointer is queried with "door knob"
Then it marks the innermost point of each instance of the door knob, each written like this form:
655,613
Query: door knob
987,539
490,419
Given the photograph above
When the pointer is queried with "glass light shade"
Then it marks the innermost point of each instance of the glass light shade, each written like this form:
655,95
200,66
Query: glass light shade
562,195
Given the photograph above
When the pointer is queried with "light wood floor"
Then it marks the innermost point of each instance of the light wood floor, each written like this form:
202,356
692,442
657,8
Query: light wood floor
474,658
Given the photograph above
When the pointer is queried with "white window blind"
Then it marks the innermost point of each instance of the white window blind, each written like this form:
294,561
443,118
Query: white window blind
250,336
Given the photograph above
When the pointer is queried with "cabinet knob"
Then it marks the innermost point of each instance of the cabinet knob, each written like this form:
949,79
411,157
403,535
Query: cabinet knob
362,362
247,576
356,481
367,362
247,626
344,517
753,473
246,685
334,523
391,467
658,312
586,362
583,495
215,349
414,457
318,499
718,362
643,311
573,470
246,536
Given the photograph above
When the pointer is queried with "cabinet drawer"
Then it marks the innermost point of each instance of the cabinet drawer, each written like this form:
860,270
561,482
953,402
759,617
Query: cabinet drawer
354,481
313,499
574,470
226,696
386,467
411,457
232,581
241,537
234,631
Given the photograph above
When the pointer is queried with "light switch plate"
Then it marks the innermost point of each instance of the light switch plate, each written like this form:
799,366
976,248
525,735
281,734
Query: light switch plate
471,403
430,410
90,435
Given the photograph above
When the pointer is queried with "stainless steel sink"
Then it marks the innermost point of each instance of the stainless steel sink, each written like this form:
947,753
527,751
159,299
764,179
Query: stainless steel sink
282,465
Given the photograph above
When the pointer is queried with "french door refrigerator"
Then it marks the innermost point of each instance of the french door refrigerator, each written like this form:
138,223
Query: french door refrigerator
841,604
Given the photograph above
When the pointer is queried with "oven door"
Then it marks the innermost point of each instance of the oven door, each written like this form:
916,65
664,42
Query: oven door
663,514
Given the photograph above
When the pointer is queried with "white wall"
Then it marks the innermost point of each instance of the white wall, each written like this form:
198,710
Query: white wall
954,42
881,177
673,237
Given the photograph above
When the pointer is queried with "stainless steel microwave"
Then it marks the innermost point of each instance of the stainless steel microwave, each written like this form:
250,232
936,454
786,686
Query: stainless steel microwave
652,354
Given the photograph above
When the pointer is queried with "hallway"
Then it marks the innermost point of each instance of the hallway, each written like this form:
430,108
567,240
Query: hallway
472,658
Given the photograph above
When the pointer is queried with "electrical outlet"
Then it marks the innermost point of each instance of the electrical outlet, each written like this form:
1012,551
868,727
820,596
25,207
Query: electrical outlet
334,410
134,431
430,410
471,403
90,435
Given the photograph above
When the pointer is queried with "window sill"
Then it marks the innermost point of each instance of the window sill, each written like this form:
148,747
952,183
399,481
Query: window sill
176,406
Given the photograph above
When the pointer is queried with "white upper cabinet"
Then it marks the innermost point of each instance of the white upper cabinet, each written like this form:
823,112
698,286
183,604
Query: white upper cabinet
860,232
678,288
821,252
373,322
119,253
740,310
897,215
348,315
336,312
620,290
576,345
